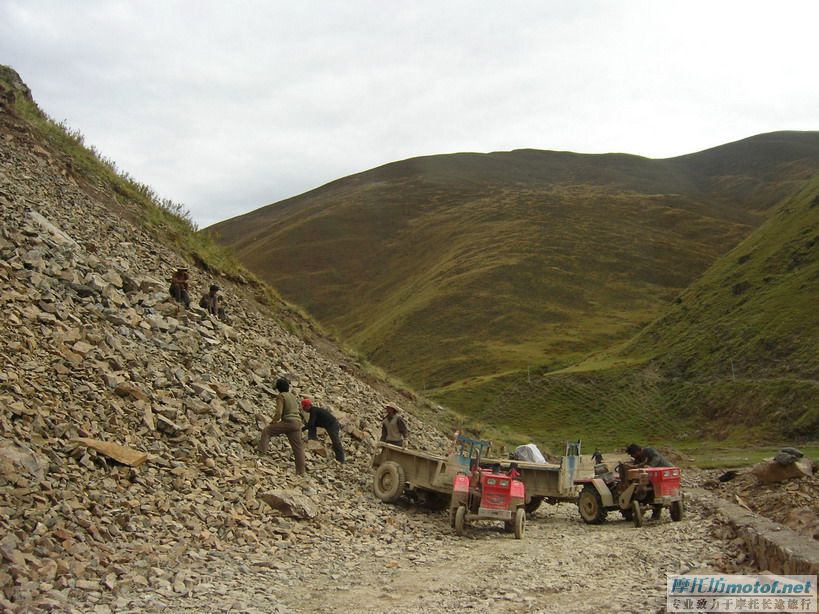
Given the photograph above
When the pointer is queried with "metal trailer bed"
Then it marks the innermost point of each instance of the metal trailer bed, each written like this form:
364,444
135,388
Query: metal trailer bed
400,470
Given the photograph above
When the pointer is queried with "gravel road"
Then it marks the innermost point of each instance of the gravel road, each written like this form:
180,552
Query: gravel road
561,565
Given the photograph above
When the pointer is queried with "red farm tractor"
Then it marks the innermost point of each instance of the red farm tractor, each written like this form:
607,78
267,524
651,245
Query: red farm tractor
632,491
488,494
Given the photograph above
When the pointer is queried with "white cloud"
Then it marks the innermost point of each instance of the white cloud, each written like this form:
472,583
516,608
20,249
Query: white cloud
227,106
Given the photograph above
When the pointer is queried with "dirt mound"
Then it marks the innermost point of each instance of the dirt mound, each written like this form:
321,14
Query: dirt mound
793,503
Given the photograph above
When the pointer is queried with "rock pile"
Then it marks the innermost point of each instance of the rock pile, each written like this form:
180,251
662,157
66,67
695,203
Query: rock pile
793,502
128,424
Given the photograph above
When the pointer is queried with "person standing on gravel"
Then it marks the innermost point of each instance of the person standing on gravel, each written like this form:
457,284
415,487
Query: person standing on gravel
320,417
597,457
287,421
393,428
646,457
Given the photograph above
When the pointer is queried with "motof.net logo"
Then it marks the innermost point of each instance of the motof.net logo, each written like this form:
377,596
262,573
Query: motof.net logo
741,593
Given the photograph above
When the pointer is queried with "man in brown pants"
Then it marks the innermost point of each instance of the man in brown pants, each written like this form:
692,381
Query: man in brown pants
288,422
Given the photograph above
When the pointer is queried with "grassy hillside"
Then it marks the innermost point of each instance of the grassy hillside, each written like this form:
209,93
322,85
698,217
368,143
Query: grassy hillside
446,268
733,358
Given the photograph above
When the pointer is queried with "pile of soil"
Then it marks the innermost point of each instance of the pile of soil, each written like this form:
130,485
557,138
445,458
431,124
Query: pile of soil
793,503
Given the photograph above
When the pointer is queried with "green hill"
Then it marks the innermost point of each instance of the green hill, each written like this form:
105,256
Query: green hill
444,269
735,357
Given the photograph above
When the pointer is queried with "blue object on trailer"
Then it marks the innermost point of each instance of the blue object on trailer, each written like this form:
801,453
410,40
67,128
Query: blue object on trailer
467,448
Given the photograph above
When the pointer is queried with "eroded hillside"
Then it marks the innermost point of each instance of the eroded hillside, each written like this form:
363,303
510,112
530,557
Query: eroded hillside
732,358
93,352
93,348
448,268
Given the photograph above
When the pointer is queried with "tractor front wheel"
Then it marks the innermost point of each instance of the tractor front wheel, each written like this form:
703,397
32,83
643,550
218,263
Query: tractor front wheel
460,520
677,510
389,481
520,523
637,514
590,505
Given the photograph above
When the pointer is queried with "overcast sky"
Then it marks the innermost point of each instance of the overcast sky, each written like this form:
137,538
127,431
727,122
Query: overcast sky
228,106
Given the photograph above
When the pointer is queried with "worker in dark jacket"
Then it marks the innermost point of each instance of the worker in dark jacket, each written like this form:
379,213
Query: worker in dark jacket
393,428
646,457
320,417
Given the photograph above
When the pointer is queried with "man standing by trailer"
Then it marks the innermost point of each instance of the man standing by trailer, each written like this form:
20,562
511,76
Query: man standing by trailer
393,428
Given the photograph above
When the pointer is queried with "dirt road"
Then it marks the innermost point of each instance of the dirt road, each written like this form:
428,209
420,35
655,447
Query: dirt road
562,565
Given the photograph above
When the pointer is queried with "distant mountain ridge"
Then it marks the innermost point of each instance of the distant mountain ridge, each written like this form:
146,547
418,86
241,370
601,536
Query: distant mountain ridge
445,268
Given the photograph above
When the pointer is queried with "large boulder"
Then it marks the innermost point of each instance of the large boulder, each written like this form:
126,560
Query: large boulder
768,472
290,503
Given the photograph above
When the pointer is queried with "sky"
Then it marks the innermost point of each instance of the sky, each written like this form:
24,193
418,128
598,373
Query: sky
228,106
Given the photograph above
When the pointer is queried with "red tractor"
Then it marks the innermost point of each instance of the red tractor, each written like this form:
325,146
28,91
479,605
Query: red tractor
488,494
632,491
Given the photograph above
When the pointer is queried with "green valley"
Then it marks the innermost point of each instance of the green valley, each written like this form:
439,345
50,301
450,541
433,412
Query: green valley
550,292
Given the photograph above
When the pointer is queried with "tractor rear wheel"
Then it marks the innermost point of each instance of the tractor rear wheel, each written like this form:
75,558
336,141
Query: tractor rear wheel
533,504
520,523
637,514
388,484
590,505
677,510
460,520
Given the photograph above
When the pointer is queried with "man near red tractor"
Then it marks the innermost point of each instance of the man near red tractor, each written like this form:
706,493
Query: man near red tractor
646,457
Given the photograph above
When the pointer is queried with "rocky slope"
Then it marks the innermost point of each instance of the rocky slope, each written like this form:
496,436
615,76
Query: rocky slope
92,348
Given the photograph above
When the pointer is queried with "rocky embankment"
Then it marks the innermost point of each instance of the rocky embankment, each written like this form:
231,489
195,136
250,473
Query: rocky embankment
91,348
793,503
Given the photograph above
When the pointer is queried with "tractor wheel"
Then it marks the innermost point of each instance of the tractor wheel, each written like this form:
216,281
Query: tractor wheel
591,505
388,484
637,514
460,520
520,523
677,510
533,504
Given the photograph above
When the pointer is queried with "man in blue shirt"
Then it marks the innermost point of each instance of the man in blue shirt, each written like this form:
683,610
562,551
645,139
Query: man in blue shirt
320,417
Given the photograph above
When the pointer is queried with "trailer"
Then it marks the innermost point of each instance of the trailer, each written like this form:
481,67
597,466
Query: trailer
402,471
